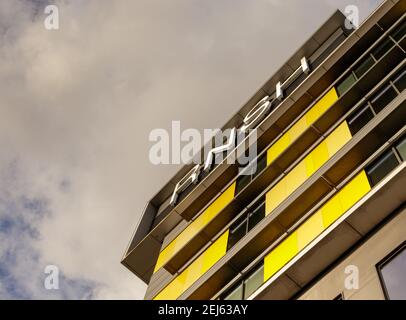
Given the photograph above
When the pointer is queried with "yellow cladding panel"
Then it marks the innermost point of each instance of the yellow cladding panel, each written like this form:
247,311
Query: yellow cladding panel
278,147
338,138
298,128
321,106
334,208
280,256
309,230
295,178
305,168
345,198
195,270
192,229
301,125
317,158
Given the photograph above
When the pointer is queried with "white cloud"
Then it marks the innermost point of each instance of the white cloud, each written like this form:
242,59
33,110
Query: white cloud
77,106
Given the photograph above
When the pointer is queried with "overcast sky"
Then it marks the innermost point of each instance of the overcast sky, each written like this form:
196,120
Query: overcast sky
77,105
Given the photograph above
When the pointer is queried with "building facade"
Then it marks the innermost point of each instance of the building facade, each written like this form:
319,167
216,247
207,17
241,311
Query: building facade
323,215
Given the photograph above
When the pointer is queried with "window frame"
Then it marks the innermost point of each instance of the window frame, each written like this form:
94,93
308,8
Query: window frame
382,263
339,297
385,89
243,221
242,282
376,164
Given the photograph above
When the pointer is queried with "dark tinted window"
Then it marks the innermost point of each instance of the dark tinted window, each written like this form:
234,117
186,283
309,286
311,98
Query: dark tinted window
343,86
245,223
242,181
381,167
382,48
256,216
359,119
393,275
400,80
237,231
261,165
383,98
364,66
400,31
250,172
401,147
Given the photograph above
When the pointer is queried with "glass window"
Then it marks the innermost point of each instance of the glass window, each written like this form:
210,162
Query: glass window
381,167
364,66
256,216
253,281
237,231
261,165
359,119
401,147
382,48
400,31
343,86
382,98
242,181
400,80
392,274
235,294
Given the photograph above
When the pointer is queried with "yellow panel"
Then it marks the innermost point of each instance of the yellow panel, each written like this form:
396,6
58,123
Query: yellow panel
295,178
345,198
317,158
277,148
298,128
281,255
192,229
321,106
331,210
310,230
285,187
195,270
338,138
354,190
316,224
275,196
215,252
301,125
305,168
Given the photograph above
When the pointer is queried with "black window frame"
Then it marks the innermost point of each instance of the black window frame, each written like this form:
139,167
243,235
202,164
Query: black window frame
261,164
398,31
381,94
399,142
379,160
382,48
398,77
387,259
243,221
340,296
358,115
